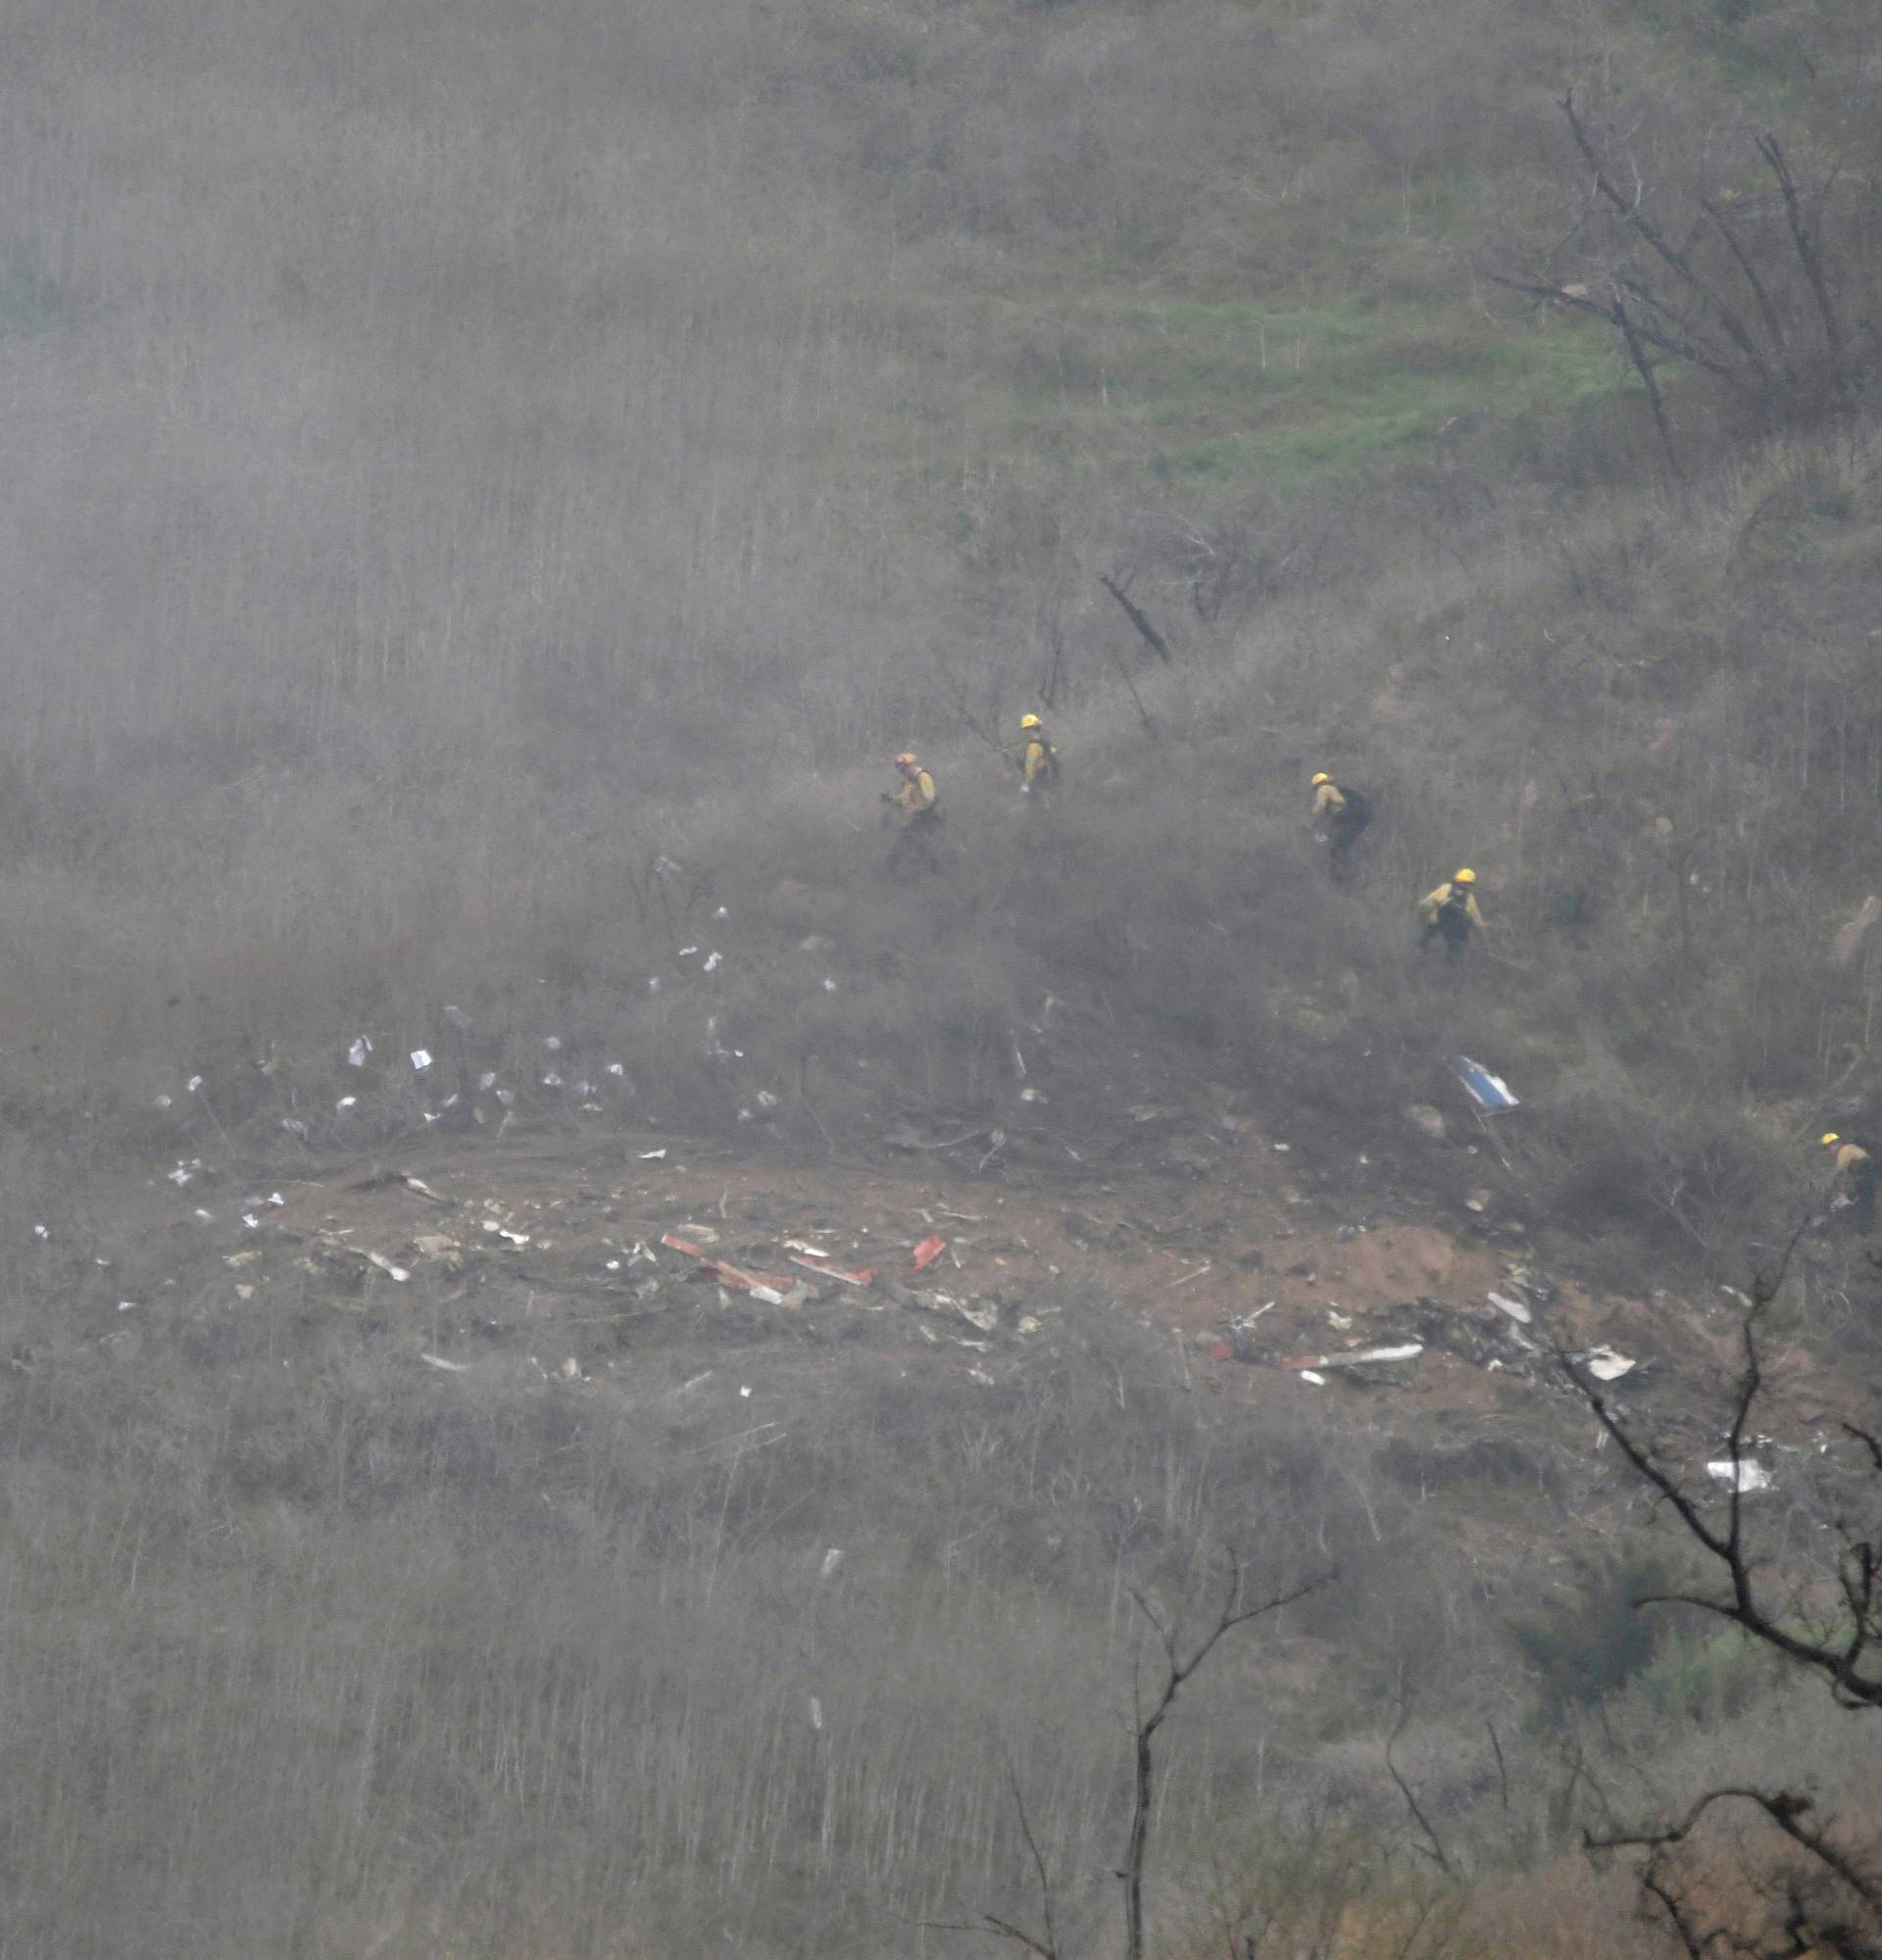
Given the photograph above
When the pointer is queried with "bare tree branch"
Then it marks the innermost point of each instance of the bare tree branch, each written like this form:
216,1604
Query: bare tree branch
1433,1844
1234,1612
1137,616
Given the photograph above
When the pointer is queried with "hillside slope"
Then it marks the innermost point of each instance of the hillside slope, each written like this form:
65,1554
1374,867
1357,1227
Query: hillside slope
492,489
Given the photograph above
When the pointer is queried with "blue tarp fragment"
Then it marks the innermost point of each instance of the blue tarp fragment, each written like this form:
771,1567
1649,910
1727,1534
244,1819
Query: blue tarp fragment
1486,1091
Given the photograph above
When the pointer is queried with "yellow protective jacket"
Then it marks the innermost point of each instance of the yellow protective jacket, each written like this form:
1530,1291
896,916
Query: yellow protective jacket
1328,800
917,794
1037,762
1433,903
1848,1155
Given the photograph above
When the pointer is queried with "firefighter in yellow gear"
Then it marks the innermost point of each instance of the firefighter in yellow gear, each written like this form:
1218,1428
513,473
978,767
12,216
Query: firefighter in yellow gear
1856,1174
919,806
1449,913
1340,815
1038,759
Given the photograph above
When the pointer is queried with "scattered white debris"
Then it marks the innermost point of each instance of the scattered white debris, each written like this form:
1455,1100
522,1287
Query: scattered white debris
571,1370
768,1294
40,1232
817,1714
765,1100
829,985
181,1176
1751,1476
449,1367
652,1156
1515,1308
274,1197
385,1265
1607,1366
1307,1375
1362,1357
653,983
746,1392
253,1223
616,1068
831,1560
194,1083
359,1052
202,1217
687,952
552,1080
506,1097
1340,1320
722,911
126,1307
713,961
344,1104
487,1080
164,1102
294,1126
552,1042
421,1060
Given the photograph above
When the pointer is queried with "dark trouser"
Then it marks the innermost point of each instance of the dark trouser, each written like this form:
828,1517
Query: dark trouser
1343,833
916,847
1452,929
1860,1214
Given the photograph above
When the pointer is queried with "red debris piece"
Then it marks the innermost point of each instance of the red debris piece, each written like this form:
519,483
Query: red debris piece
735,1276
685,1246
929,1249
863,1277
1224,1351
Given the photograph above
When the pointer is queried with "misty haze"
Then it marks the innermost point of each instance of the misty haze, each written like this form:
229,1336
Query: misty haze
939,1010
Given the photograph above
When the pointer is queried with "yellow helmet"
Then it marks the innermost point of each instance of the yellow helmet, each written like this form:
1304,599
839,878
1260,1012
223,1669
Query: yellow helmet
905,760
1830,1137
1322,777
1030,721
1464,877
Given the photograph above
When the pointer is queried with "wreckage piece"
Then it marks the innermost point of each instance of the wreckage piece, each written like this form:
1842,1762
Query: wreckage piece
862,1277
1515,1308
1606,1365
770,1287
1365,1358
757,1284
1490,1093
927,1251
1745,1475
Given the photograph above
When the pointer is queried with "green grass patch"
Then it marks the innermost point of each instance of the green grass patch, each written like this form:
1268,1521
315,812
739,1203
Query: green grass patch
1231,392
